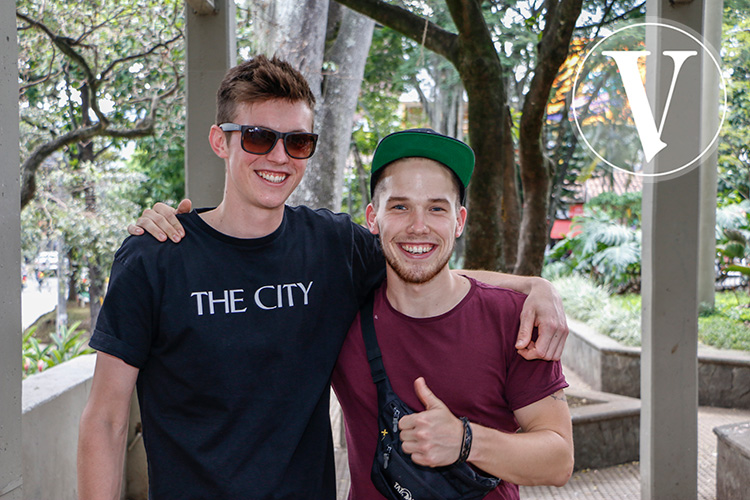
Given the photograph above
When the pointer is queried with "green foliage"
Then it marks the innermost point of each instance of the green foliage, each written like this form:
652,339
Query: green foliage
162,169
118,64
733,238
591,303
605,249
623,208
734,159
63,346
723,333
726,326
62,212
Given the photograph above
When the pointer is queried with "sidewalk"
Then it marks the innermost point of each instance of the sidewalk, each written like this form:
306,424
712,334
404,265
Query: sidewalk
621,482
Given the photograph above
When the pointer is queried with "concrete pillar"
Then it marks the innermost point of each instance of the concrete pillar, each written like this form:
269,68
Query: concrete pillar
11,466
712,96
211,51
669,367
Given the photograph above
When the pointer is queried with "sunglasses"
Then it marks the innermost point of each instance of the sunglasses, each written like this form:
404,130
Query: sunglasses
261,140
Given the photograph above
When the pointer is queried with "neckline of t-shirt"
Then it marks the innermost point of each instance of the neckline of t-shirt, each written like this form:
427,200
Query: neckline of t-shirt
200,224
465,300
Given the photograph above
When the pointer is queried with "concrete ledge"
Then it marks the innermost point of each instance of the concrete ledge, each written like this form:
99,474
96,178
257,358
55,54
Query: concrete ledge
733,461
52,403
723,375
606,431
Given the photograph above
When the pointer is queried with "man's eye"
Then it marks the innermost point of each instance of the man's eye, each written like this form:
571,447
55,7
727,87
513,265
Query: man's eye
398,207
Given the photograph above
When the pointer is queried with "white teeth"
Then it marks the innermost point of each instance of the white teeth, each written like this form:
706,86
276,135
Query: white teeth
275,178
417,249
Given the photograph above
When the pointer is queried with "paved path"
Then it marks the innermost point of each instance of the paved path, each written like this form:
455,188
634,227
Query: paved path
621,482
36,301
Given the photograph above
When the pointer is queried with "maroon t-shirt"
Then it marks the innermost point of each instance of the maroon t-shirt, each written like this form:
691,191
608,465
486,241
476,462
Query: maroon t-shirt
468,359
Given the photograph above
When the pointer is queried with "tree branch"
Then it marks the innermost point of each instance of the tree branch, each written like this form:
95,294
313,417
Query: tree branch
64,44
408,24
619,17
35,160
553,49
148,52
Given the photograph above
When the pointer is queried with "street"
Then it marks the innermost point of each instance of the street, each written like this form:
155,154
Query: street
36,301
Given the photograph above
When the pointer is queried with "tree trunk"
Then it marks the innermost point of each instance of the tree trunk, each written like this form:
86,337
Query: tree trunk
484,238
86,155
297,31
482,76
510,210
294,30
72,284
323,182
536,170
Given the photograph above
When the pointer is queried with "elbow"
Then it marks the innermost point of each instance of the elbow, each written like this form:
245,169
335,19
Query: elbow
564,472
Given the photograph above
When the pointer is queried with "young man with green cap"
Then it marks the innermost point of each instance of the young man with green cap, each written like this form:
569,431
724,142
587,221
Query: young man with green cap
447,341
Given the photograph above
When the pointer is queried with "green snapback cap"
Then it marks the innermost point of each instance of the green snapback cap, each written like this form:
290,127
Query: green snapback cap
423,143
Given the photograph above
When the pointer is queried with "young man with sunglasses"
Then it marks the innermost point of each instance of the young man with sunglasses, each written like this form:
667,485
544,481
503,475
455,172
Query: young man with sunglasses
231,336
447,341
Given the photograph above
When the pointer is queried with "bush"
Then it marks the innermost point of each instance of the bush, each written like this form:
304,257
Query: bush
66,345
591,303
605,250
726,326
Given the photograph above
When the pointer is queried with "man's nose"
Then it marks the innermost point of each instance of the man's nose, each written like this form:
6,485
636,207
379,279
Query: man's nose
278,153
417,223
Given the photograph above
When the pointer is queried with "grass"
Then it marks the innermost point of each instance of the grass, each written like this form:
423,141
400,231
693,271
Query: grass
725,326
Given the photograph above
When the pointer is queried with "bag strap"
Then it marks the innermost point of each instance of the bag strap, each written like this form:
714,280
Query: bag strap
374,356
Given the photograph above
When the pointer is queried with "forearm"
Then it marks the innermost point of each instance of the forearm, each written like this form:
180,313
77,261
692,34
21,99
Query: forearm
101,455
522,284
533,458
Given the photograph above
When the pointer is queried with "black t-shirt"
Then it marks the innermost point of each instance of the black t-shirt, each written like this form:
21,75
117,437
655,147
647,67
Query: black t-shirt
236,340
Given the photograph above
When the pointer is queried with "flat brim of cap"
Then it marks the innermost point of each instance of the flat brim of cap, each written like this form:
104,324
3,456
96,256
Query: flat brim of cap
452,153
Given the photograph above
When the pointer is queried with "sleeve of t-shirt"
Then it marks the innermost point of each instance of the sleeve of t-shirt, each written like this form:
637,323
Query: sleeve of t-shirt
125,324
368,263
529,381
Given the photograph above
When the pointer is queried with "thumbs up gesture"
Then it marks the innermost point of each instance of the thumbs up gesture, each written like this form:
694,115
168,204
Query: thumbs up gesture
432,437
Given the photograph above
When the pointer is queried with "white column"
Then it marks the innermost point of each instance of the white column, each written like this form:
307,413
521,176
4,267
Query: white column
712,96
669,366
211,51
11,466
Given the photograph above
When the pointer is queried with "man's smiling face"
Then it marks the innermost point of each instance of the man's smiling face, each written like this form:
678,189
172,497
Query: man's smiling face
266,181
418,218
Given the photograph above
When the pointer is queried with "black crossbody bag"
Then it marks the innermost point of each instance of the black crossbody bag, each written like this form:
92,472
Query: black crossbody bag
393,472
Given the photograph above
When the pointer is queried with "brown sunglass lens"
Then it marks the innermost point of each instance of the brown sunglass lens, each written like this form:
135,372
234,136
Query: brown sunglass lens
258,141
300,145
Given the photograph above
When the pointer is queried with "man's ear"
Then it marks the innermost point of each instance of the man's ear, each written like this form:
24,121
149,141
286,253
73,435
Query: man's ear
461,221
218,140
370,217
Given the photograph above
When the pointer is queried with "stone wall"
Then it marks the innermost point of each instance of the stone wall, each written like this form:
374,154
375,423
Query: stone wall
606,430
723,375
733,461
